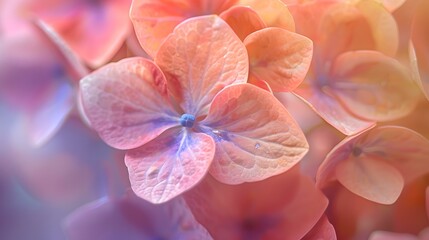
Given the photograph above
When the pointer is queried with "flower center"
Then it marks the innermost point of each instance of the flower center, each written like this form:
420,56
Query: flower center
187,120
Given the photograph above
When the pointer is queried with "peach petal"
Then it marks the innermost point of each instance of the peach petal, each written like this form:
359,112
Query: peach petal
279,57
404,150
200,58
330,109
383,26
126,102
170,164
273,12
373,86
154,20
243,20
371,178
255,136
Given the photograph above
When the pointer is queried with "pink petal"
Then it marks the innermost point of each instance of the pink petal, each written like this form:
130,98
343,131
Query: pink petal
153,20
331,110
94,29
200,58
322,231
373,86
279,57
383,235
371,178
74,65
170,164
243,20
255,136
284,207
273,12
126,102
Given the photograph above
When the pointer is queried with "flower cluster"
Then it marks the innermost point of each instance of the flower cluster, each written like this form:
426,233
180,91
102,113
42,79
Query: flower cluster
223,119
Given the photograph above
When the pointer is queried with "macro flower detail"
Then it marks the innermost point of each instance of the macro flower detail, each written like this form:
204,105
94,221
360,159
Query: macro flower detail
189,112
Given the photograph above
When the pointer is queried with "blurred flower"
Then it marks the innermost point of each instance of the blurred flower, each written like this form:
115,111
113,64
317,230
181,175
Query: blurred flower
133,218
353,80
284,207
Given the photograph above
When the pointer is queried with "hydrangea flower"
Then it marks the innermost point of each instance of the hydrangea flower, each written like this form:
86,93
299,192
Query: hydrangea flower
190,112
377,163
353,81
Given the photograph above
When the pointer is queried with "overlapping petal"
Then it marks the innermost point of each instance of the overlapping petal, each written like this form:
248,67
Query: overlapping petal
365,25
322,231
284,207
200,58
373,86
376,163
127,102
94,29
243,20
279,57
170,164
255,136
331,110
153,20
274,13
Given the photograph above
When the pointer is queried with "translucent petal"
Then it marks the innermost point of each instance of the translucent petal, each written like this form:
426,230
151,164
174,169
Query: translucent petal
153,20
397,150
243,20
273,12
200,58
126,102
170,164
373,86
279,57
93,29
255,136
328,107
371,178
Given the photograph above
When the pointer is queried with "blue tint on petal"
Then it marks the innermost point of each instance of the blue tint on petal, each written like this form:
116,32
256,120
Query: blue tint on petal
187,120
